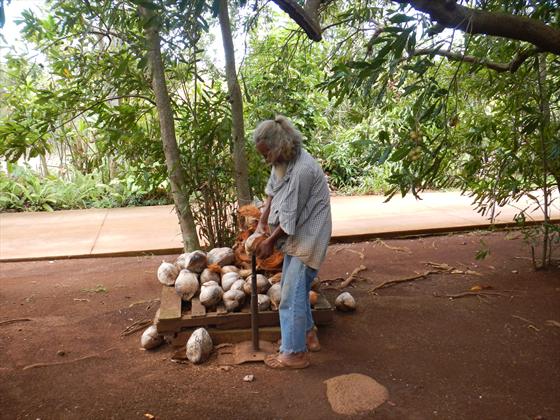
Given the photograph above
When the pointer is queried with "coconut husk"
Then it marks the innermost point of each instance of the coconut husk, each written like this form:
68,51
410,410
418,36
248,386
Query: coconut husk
216,268
249,217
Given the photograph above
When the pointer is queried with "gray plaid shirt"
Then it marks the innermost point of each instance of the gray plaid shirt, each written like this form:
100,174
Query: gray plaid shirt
301,206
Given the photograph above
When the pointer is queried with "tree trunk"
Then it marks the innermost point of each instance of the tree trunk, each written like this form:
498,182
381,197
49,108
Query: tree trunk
167,128
44,166
238,131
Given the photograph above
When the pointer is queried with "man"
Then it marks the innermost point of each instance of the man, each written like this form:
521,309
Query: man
297,211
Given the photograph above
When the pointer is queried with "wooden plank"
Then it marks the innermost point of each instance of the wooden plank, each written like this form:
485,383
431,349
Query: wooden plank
197,309
221,310
220,336
170,306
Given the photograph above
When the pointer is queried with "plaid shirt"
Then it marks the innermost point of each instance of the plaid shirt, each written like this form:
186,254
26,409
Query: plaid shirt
301,206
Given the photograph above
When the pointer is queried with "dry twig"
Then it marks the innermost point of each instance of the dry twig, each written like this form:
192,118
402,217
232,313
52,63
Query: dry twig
137,326
352,277
36,365
13,321
471,293
402,280
394,248
361,254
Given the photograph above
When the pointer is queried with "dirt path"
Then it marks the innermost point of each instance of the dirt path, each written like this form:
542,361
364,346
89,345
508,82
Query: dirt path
466,358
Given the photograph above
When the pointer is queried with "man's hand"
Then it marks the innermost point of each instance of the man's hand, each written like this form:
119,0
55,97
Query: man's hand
265,249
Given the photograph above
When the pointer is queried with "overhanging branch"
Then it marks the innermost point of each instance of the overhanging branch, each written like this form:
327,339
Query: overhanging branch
452,15
307,19
512,66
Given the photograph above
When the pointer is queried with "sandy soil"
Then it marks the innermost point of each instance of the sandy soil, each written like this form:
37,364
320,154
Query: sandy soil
474,357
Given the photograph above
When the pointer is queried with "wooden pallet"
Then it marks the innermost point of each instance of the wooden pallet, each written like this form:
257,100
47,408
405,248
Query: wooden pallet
172,317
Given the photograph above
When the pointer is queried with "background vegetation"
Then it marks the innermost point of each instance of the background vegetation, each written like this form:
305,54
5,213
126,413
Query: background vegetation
388,101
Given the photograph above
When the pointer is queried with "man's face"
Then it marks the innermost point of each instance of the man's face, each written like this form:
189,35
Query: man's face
263,149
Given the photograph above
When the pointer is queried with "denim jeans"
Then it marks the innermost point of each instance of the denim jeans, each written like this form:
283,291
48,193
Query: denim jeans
295,312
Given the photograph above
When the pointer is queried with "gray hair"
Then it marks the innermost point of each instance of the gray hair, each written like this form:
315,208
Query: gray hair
280,136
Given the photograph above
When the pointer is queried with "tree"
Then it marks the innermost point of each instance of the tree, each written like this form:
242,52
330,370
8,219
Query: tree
236,100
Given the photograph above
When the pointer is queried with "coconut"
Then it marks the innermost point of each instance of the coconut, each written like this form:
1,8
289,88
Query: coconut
196,261
221,256
186,285
263,302
150,338
275,295
228,279
262,284
181,260
253,241
233,299
210,294
230,269
345,302
167,273
209,275
275,278
246,272
238,285
313,297
199,346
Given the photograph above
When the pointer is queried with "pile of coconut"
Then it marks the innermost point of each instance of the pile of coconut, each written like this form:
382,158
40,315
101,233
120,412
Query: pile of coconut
214,279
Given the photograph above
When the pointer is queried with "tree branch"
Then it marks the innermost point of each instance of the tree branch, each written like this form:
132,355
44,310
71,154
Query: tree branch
452,15
306,18
512,66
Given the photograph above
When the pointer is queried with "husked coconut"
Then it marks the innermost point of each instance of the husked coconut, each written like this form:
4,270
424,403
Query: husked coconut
238,285
264,302
230,269
275,278
196,261
228,279
246,272
221,256
345,302
199,346
210,294
209,275
186,285
253,241
150,338
233,299
275,295
262,284
180,262
167,273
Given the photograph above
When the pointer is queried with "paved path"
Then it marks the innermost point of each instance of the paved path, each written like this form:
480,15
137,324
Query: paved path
137,230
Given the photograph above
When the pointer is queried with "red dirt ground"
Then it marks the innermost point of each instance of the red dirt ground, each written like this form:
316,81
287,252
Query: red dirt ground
468,358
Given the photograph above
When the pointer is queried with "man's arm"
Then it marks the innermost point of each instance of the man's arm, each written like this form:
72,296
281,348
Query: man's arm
262,227
266,247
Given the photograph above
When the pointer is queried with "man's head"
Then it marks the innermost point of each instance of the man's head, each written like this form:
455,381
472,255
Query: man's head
277,140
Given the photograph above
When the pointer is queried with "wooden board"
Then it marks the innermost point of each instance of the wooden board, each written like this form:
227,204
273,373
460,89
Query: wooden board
170,306
171,320
220,336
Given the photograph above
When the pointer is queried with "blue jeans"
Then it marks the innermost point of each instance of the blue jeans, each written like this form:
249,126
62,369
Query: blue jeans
295,312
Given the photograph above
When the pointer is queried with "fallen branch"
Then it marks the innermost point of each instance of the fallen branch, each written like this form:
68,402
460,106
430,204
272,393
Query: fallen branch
402,280
361,254
137,326
470,293
36,365
394,248
13,321
352,277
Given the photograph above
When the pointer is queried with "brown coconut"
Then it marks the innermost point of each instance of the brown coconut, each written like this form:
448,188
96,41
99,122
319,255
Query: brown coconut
263,302
238,285
230,269
209,275
196,261
150,338
221,256
262,284
199,346
275,295
345,302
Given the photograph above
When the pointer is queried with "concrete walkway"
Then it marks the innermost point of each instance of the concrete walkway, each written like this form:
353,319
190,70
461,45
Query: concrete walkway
137,230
